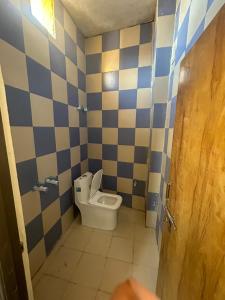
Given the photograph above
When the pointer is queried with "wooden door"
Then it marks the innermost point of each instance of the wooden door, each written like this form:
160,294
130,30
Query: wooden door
192,259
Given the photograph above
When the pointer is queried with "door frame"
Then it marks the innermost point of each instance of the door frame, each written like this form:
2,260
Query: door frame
9,187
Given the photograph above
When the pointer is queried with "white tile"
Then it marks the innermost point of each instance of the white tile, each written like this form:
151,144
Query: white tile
14,67
154,182
184,5
90,270
176,80
157,139
50,288
115,272
147,276
197,13
170,142
75,291
121,249
165,29
151,217
213,10
62,263
99,243
78,237
103,296
146,255
160,89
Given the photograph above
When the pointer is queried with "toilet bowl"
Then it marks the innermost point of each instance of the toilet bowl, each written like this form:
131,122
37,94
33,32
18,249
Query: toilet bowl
98,210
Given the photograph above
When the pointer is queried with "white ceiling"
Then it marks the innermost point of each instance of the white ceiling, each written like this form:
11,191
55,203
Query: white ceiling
97,16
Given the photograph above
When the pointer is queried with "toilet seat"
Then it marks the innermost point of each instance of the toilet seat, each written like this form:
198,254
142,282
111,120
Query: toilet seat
106,200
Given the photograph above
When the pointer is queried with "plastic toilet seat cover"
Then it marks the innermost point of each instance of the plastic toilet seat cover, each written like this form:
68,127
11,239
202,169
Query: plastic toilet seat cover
96,182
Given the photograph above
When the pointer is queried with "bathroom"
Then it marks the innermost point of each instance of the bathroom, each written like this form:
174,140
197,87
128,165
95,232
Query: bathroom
88,94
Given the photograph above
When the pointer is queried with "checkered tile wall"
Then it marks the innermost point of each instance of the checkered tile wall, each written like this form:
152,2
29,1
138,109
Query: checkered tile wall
45,80
118,82
179,24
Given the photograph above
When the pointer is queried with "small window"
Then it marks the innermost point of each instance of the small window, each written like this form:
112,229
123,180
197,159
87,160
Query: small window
43,11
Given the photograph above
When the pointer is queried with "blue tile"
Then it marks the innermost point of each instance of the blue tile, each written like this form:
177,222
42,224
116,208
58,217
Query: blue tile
196,36
209,3
61,117
93,63
167,171
34,232
109,182
173,112
59,12
63,161
159,118
11,27
94,165
27,175
57,61
39,79
163,56
143,118
155,161
72,93
166,140
182,38
109,152
146,33
80,40
144,77
127,99
74,136
139,188
66,201
129,57
126,136
94,101
110,40
140,155
19,107
83,119
152,201
44,140
177,16
125,169
110,81
166,7
110,118
70,48
52,236
81,80
76,171
83,152
49,197
95,135
126,199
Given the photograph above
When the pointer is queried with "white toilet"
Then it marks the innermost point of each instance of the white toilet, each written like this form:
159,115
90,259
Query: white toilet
98,210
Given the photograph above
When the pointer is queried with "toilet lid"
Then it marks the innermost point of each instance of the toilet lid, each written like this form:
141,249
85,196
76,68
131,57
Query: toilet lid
96,182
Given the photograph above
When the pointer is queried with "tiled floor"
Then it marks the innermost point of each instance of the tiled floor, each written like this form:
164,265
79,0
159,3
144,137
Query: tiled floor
87,264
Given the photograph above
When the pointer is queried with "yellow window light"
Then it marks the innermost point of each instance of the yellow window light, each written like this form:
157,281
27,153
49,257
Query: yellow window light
43,11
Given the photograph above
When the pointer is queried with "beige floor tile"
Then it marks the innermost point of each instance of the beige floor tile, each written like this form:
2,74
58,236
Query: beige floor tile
144,234
146,254
99,243
121,249
147,276
125,215
78,237
115,272
50,288
78,292
124,230
139,217
89,271
103,296
63,263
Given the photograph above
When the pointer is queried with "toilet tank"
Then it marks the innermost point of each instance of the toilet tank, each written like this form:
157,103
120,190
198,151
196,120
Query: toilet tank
82,187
